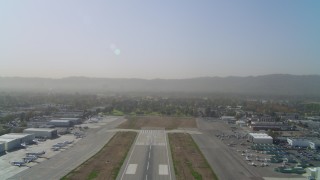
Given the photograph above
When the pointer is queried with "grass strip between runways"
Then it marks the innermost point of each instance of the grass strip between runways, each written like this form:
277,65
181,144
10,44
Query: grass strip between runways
188,161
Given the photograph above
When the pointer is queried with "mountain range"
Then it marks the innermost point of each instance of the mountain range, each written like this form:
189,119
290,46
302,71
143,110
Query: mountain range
274,84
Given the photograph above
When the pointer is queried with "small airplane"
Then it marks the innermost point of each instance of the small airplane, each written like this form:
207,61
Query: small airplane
264,164
18,163
30,158
36,141
55,148
35,153
68,142
247,158
60,145
24,145
252,164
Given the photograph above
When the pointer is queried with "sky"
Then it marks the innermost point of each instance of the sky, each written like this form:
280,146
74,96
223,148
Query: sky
158,39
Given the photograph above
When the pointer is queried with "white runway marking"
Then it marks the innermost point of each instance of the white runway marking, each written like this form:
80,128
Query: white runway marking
163,169
132,168
128,160
151,137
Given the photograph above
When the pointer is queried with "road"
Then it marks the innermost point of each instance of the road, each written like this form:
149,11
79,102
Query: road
62,163
148,158
223,162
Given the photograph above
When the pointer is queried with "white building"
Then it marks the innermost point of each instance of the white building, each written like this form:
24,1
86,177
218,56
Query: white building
240,123
73,120
228,119
14,140
42,132
313,173
260,138
10,144
314,144
298,142
61,123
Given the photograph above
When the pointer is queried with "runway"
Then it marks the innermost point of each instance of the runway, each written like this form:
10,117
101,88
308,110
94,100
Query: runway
223,162
148,158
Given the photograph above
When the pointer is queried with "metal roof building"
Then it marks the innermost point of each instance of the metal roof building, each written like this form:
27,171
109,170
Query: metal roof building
21,137
73,120
298,142
14,140
260,138
10,144
61,123
2,147
42,132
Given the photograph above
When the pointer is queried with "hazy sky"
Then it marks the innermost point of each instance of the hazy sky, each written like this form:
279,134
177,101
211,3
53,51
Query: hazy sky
158,39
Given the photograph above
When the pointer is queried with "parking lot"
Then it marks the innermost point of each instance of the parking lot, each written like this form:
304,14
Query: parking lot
259,160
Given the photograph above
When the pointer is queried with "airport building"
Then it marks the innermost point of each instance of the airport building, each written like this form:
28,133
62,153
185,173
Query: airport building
298,142
241,123
2,147
260,138
14,140
61,123
314,144
10,144
313,173
229,119
42,132
21,137
73,120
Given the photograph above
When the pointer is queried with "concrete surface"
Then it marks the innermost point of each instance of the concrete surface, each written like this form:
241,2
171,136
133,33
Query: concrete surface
148,158
63,162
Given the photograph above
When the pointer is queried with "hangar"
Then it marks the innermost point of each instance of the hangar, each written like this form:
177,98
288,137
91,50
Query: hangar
42,132
260,138
2,147
61,123
14,140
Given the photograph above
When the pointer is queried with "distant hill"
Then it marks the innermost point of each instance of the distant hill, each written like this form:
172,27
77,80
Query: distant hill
276,84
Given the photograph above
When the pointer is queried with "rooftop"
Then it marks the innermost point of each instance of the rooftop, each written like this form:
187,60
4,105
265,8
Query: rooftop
40,129
14,135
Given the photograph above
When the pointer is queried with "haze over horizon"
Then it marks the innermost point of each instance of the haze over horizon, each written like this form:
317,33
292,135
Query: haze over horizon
161,39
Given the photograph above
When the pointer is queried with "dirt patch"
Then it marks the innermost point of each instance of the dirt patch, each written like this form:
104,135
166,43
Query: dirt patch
137,122
188,161
107,162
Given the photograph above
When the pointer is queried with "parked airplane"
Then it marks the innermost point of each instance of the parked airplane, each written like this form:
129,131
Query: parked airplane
60,145
36,141
18,163
55,148
253,164
24,145
264,164
30,158
68,142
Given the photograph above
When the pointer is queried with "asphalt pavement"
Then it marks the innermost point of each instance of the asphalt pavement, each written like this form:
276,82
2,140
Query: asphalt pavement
148,158
62,163
223,162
